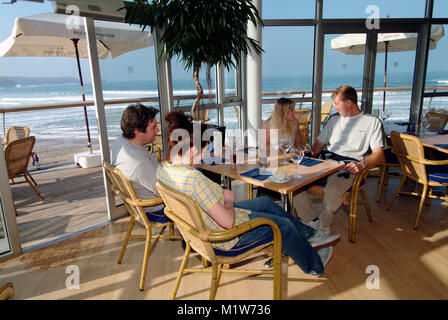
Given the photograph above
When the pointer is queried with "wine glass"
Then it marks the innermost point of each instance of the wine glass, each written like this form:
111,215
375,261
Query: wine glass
296,159
384,116
426,123
285,145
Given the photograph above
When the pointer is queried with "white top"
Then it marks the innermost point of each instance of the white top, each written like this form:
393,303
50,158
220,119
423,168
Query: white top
137,165
353,137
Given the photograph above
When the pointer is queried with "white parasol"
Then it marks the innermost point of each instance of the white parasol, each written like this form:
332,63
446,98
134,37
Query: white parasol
59,35
354,43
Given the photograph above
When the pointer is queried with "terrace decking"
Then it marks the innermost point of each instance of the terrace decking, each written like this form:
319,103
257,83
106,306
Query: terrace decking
412,264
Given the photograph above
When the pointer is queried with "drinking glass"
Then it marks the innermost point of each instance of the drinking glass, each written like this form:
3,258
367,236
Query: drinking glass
426,123
384,116
297,158
285,145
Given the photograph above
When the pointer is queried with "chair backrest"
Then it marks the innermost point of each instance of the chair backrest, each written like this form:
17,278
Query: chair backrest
16,133
186,214
123,188
437,121
325,111
17,155
304,117
410,154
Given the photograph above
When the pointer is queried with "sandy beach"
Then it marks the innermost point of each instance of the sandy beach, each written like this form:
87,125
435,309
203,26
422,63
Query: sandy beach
60,149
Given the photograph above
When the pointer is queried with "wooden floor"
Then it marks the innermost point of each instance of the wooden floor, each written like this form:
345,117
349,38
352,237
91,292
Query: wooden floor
411,264
73,200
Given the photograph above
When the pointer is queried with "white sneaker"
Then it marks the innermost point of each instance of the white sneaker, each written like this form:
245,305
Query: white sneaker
325,254
323,239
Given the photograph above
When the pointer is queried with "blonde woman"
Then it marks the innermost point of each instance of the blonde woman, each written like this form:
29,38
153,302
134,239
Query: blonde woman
283,119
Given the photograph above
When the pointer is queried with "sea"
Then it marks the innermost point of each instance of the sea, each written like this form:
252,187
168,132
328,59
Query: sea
70,122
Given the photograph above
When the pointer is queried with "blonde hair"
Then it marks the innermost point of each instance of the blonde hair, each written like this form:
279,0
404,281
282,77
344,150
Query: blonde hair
278,119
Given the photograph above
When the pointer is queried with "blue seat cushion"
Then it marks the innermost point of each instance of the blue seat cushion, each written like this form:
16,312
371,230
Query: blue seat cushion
158,216
236,250
438,173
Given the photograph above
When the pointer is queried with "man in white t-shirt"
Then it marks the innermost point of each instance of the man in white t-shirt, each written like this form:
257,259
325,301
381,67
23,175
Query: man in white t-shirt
130,155
350,136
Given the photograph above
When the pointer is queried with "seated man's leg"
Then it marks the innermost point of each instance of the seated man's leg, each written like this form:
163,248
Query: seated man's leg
333,194
293,243
304,207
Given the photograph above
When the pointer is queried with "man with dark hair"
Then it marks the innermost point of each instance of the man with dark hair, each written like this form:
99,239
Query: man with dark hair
130,155
350,136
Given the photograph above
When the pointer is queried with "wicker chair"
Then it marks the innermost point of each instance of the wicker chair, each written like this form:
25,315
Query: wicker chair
16,133
304,117
325,112
7,291
134,205
414,165
181,209
437,121
17,157
351,197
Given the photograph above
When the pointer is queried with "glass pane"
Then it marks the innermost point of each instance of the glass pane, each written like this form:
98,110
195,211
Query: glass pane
185,88
287,64
230,82
288,9
440,9
5,246
232,117
340,68
397,78
371,9
435,104
436,74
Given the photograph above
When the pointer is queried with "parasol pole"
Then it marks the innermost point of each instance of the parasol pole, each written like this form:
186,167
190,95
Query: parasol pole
89,144
385,75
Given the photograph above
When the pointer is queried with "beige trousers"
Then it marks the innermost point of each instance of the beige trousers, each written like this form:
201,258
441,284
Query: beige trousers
333,194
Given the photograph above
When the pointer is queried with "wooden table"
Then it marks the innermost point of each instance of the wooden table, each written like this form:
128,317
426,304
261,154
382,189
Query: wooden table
309,174
431,139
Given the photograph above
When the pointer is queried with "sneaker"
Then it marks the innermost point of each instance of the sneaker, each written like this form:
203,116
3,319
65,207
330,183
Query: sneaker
313,223
325,254
323,239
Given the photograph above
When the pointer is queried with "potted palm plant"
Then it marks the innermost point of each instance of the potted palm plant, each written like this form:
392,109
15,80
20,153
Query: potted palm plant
200,32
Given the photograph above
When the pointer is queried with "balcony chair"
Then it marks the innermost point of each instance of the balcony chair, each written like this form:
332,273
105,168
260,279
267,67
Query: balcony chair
304,117
17,157
16,133
414,165
7,291
351,197
123,188
185,213
325,111
437,121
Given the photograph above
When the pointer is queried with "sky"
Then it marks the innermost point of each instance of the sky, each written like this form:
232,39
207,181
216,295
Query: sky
291,44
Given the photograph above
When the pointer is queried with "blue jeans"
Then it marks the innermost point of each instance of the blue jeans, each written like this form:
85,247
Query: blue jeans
294,233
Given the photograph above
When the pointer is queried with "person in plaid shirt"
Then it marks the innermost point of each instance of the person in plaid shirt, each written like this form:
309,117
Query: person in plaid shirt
217,206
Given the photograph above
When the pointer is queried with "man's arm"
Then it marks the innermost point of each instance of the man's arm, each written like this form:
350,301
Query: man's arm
376,157
224,215
317,147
